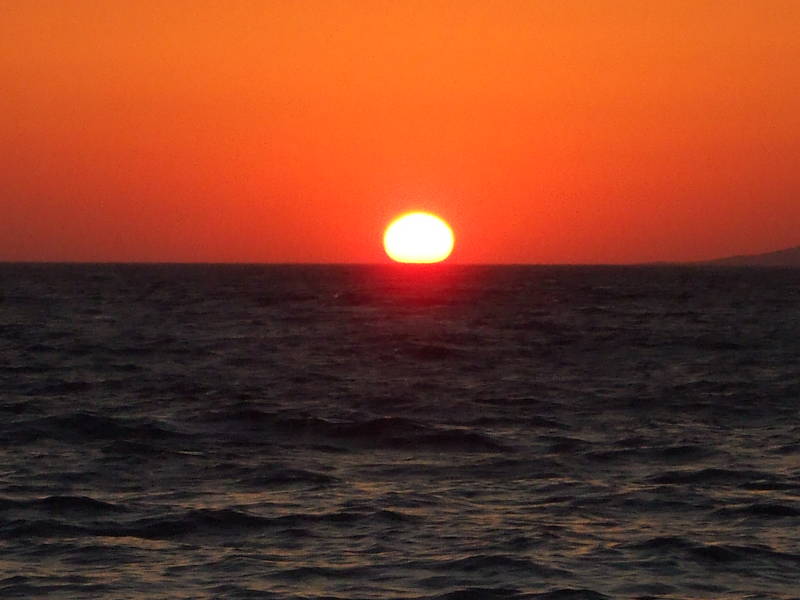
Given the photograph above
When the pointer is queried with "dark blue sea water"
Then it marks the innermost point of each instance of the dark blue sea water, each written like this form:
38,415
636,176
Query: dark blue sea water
560,433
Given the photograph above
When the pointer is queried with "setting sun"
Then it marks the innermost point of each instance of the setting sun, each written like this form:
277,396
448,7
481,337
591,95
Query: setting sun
418,237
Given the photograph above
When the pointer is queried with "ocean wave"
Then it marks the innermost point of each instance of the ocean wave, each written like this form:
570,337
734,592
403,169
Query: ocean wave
20,586
671,454
345,517
562,444
503,593
495,563
711,476
63,504
397,433
567,594
84,426
235,591
477,593
305,574
287,477
754,557
432,352
219,523
761,509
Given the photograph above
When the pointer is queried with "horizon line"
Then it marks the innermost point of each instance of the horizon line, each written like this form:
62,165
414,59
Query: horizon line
662,263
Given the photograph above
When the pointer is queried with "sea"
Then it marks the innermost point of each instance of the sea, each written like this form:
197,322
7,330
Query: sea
439,432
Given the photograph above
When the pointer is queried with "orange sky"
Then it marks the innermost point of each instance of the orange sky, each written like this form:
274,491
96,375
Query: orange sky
292,131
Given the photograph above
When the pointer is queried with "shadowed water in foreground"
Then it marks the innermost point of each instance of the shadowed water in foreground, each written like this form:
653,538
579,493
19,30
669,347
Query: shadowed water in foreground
399,432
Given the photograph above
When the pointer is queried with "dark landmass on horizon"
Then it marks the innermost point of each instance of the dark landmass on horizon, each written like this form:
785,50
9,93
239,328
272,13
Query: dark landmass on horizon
789,257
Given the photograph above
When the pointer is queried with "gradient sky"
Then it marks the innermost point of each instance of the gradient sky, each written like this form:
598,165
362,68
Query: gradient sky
293,131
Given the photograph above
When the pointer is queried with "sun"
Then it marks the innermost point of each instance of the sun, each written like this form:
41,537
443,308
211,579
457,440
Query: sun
418,237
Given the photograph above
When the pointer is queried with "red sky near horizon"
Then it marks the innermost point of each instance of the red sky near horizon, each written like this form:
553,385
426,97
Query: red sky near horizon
569,131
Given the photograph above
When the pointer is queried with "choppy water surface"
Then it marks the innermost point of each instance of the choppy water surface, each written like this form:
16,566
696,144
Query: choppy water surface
394,432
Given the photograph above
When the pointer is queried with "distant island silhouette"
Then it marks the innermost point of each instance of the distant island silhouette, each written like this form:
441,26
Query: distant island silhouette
789,257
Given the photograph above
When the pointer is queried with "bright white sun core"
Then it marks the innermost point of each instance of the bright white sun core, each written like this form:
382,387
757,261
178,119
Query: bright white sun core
418,237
